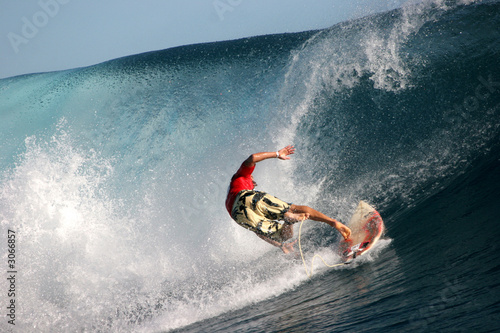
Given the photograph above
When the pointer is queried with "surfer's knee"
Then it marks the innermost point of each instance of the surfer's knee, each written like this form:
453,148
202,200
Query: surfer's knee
300,209
294,216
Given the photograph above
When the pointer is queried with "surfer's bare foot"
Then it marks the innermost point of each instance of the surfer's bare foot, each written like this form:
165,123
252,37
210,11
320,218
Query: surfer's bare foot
295,217
288,247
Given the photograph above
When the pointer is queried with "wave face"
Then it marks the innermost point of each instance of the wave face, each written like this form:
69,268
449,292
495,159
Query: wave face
113,178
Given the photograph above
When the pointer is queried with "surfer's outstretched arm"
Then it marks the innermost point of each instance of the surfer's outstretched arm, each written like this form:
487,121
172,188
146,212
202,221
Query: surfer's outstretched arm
282,154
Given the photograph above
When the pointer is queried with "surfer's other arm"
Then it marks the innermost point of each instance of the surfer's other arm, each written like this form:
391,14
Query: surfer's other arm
282,154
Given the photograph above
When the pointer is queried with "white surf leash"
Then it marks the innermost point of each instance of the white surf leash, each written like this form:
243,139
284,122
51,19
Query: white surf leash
309,273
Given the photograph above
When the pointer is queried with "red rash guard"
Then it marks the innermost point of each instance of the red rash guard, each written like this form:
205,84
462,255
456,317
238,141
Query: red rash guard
242,180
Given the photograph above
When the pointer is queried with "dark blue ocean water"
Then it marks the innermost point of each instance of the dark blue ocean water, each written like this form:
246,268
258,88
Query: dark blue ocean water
114,176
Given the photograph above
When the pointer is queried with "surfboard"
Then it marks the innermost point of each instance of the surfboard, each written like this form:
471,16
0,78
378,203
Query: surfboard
366,226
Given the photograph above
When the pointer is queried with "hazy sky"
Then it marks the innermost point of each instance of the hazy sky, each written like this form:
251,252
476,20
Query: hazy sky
47,35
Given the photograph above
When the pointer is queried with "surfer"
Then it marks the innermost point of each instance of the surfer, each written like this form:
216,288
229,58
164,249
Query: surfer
260,212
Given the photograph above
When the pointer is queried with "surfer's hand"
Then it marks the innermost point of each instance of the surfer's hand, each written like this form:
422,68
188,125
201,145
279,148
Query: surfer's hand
288,247
284,152
344,231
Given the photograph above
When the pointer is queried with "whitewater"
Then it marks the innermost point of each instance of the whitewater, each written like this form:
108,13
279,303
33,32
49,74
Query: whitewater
113,180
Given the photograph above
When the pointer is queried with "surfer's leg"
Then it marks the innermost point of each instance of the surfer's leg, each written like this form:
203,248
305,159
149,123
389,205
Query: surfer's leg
274,209
312,214
293,217
318,216
287,231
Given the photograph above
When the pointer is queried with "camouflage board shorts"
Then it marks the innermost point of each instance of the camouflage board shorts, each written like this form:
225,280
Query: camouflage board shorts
260,213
